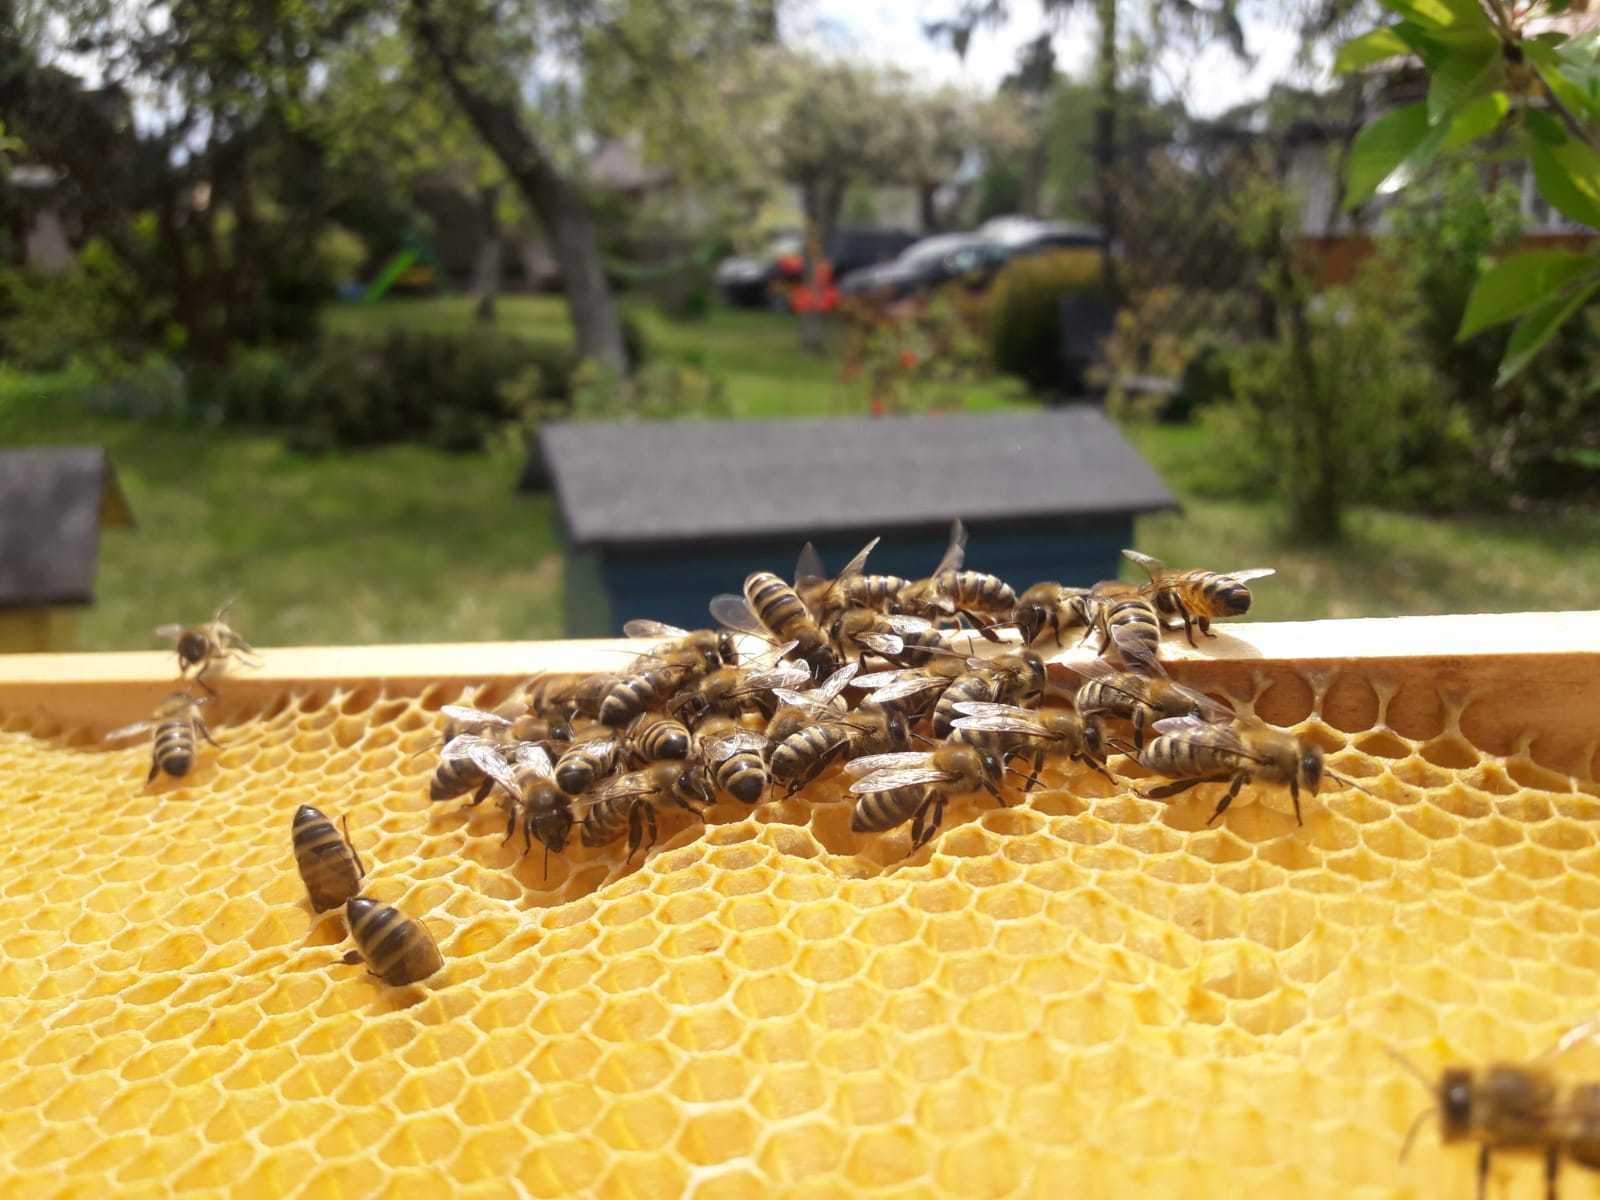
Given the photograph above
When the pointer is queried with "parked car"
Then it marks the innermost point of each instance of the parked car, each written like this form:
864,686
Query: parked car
968,257
747,281
1022,236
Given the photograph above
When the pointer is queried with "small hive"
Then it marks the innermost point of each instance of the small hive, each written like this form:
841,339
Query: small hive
1087,993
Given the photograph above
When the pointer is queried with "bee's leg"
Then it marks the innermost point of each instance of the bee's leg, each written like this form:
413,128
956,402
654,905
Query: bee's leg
546,861
1483,1173
155,769
982,626
650,824
1099,765
1139,714
926,823
1294,793
350,957
482,794
1552,1164
1205,626
354,853
1033,776
1167,790
200,678
824,761
206,733
635,829
1233,790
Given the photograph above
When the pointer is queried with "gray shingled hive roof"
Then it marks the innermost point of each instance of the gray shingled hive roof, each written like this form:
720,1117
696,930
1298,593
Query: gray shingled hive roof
53,503
686,480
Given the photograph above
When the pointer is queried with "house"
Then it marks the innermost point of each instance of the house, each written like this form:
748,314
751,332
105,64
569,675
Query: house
53,504
659,517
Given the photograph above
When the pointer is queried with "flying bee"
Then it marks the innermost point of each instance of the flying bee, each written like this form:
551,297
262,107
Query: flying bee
703,650
771,610
915,786
734,757
640,691
176,723
589,759
208,645
329,865
629,803
467,763
1142,700
826,597
1515,1108
1197,597
1047,733
1053,607
730,691
1192,751
984,600
905,641
397,949
652,737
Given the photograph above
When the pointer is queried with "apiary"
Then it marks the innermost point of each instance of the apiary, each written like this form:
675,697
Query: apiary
1085,992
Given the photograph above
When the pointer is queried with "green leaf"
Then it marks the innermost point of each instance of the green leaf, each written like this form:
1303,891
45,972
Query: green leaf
1382,147
1537,328
1514,285
1479,117
1568,175
1463,77
1367,49
1570,80
1441,14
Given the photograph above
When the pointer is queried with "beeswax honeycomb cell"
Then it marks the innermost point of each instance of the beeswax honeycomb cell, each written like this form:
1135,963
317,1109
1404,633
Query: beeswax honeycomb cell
1089,990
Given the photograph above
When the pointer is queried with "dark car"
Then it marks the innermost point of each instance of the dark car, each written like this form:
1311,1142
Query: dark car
967,257
1022,236
746,281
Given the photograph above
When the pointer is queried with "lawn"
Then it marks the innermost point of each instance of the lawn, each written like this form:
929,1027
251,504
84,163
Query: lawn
411,544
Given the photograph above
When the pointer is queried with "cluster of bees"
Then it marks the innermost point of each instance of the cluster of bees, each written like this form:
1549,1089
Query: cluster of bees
867,673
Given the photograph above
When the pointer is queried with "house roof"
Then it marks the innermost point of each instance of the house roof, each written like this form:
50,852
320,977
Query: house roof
683,481
53,503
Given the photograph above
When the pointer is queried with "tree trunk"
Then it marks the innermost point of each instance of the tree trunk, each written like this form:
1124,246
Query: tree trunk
1105,142
561,208
822,201
486,271
928,211
1032,200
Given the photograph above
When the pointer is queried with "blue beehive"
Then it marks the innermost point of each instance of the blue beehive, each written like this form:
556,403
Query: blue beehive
659,517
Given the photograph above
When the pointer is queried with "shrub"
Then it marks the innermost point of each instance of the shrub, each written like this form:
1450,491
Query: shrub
918,357
1026,328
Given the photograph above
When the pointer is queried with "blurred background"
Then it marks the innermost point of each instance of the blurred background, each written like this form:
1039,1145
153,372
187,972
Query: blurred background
315,275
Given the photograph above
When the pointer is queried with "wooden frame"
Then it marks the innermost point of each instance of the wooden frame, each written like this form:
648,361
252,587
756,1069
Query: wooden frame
1507,683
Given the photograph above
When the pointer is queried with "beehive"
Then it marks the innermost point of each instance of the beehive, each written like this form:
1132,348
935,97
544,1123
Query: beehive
1088,993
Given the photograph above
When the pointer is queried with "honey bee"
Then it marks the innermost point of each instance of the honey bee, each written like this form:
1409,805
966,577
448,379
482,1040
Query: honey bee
734,757
1192,751
1515,1108
912,692
467,762
629,803
652,737
807,733
397,949
982,599
732,690
1141,700
703,650
563,697
534,796
637,692
1129,627
915,786
1048,733
461,719
1197,597
825,597
770,609
1005,679
329,865
207,646
906,641
1053,607
176,723
586,761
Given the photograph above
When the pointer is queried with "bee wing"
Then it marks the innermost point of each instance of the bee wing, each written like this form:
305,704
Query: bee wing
169,631
784,675
904,624
474,716
883,643
1218,737
1208,709
903,688
855,565
643,627
734,612
884,781
956,552
998,723
1252,573
830,687
879,679
128,731
728,744
488,759
885,762
1153,566
808,568
535,758
976,708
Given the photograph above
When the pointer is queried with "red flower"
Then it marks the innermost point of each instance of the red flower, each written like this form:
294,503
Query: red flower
908,360
877,407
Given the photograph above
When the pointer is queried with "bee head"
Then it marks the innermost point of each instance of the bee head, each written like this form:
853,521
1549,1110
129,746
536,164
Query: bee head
1455,1103
727,648
1029,619
693,785
552,826
192,647
1230,596
1311,768
1094,738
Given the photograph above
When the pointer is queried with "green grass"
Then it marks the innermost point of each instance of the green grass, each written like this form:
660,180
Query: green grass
414,544
1390,564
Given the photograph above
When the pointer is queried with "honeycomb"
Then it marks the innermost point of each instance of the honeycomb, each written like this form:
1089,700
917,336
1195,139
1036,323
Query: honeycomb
1085,993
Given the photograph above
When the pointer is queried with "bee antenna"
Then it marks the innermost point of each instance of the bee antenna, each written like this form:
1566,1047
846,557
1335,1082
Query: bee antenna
1409,1066
1348,782
1416,1128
